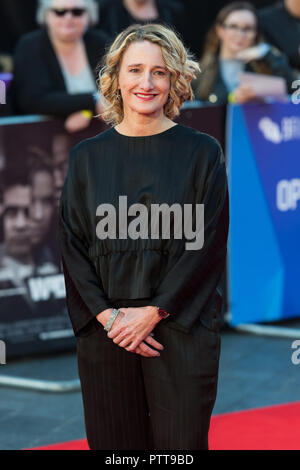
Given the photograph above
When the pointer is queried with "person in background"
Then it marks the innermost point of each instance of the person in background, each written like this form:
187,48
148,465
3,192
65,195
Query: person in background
42,202
19,259
54,67
42,214
234,44
17,246
116,15
16,257
61,148
280,24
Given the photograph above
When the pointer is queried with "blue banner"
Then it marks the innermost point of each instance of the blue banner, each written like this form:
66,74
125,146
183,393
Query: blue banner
264,239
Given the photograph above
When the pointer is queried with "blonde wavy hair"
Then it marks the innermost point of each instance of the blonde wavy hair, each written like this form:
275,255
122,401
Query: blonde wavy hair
178,60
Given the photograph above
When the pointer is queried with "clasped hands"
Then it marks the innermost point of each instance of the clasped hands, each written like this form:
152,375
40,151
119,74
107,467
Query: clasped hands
132,329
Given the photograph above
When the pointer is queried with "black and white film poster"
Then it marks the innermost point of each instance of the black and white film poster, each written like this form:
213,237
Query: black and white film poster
33,165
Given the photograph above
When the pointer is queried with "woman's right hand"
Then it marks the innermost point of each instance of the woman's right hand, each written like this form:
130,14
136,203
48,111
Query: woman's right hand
143,349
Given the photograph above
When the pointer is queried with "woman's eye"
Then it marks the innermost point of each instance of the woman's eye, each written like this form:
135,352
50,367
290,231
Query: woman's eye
158,72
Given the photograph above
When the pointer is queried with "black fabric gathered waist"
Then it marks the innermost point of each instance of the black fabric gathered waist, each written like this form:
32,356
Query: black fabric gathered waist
133,274
116,246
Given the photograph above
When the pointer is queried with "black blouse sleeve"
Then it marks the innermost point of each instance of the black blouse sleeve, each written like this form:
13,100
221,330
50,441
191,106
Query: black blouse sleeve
192,282
84,291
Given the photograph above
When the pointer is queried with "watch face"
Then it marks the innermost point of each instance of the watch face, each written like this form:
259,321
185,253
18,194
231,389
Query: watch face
162,313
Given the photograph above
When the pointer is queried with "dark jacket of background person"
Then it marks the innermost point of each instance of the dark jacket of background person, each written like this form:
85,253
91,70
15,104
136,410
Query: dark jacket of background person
38,86
282,30
114,17
210,86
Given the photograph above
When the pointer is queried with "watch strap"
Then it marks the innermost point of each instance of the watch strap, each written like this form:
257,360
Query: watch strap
162,313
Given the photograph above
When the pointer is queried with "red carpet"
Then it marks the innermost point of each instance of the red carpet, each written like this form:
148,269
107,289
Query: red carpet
270,428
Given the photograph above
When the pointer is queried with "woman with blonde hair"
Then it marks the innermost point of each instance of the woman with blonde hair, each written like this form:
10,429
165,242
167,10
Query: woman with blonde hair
144,303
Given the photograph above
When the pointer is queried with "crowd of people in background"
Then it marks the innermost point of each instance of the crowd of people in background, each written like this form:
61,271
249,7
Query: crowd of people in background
55,67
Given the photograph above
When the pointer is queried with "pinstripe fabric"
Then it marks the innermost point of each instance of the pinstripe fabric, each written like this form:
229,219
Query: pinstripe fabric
135,402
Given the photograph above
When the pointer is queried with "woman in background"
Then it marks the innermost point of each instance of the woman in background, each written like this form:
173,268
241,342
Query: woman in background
233,45
54,67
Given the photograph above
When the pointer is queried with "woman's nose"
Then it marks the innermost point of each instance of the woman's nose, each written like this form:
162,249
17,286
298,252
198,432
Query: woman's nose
69,15
146,82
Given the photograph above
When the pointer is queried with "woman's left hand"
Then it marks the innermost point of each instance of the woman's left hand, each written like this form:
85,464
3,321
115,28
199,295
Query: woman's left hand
134,326
76,122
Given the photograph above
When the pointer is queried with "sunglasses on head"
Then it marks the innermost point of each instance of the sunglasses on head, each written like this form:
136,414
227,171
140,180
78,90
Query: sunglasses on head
63,11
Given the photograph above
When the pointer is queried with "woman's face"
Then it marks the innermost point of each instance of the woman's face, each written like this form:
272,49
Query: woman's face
70,26
238,31
144,80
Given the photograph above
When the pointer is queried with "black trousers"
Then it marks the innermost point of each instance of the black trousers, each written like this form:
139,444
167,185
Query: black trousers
136,402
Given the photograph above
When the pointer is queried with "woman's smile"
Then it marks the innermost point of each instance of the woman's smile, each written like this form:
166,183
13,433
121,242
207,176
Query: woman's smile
146,96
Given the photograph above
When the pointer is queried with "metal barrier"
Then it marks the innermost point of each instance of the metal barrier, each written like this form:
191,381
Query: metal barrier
40,385
266,330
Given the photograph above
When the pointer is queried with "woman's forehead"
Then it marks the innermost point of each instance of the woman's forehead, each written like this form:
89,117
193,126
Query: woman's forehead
143,52
242,16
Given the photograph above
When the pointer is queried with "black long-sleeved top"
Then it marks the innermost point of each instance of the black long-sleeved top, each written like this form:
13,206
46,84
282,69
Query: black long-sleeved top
38,85
179,165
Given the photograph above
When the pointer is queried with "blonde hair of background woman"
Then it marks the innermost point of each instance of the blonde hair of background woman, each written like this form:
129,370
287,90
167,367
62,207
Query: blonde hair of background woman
44,5
178,59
